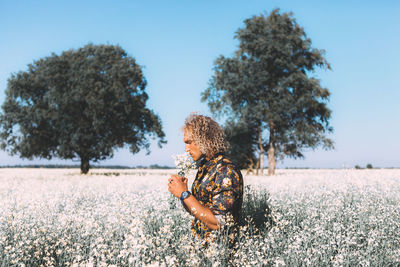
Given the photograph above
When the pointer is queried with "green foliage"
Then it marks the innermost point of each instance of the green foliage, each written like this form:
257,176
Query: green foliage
357,167
256,209
81,104
241,139
369,166
268,84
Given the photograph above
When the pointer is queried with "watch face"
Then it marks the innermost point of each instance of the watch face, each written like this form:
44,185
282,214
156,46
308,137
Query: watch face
185,195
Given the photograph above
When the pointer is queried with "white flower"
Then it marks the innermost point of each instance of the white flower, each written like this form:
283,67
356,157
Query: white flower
279,262
313,212
183,163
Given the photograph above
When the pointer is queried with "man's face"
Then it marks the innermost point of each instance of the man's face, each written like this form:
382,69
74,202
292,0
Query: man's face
191,147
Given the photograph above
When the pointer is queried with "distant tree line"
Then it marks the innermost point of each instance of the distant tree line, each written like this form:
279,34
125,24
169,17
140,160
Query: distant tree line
368,166
63,166
154,166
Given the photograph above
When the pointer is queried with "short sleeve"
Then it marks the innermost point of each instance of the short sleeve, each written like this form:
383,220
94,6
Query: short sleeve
225,192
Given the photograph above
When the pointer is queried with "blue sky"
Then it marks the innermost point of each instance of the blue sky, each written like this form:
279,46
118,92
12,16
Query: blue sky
176,42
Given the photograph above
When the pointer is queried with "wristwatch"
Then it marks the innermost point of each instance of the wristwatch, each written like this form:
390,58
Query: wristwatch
184,195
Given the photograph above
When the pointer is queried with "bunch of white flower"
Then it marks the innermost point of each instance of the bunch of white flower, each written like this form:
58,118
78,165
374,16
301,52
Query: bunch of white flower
183,163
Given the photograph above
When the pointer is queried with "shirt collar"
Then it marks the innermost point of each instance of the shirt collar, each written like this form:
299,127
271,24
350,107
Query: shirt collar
202,161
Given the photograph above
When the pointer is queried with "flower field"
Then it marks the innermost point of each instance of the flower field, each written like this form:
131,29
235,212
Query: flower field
57,217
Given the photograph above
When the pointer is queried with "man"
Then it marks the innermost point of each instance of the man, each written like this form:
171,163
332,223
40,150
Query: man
217,191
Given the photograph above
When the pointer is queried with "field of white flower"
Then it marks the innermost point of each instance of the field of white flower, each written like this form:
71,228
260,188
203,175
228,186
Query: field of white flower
57,217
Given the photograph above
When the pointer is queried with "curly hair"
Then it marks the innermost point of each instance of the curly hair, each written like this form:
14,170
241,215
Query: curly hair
206,133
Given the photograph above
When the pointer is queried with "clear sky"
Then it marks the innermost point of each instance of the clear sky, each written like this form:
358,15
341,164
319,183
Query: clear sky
177,42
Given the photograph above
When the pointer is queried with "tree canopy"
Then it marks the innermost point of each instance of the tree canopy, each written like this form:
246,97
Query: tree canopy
81,104
268,84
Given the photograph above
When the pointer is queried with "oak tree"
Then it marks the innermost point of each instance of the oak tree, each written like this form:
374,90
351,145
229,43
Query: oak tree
269,83
81,104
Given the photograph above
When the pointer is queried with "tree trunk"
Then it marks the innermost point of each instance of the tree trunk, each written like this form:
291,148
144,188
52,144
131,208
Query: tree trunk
271,151
251,167
84,165
261,147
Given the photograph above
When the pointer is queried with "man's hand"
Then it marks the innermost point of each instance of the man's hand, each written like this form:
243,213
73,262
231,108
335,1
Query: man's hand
177,185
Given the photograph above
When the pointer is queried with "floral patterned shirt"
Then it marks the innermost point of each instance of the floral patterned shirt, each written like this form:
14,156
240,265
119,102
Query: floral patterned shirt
218,186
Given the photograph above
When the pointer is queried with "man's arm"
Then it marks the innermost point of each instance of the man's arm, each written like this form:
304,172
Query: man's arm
186,208
226,191
202,213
